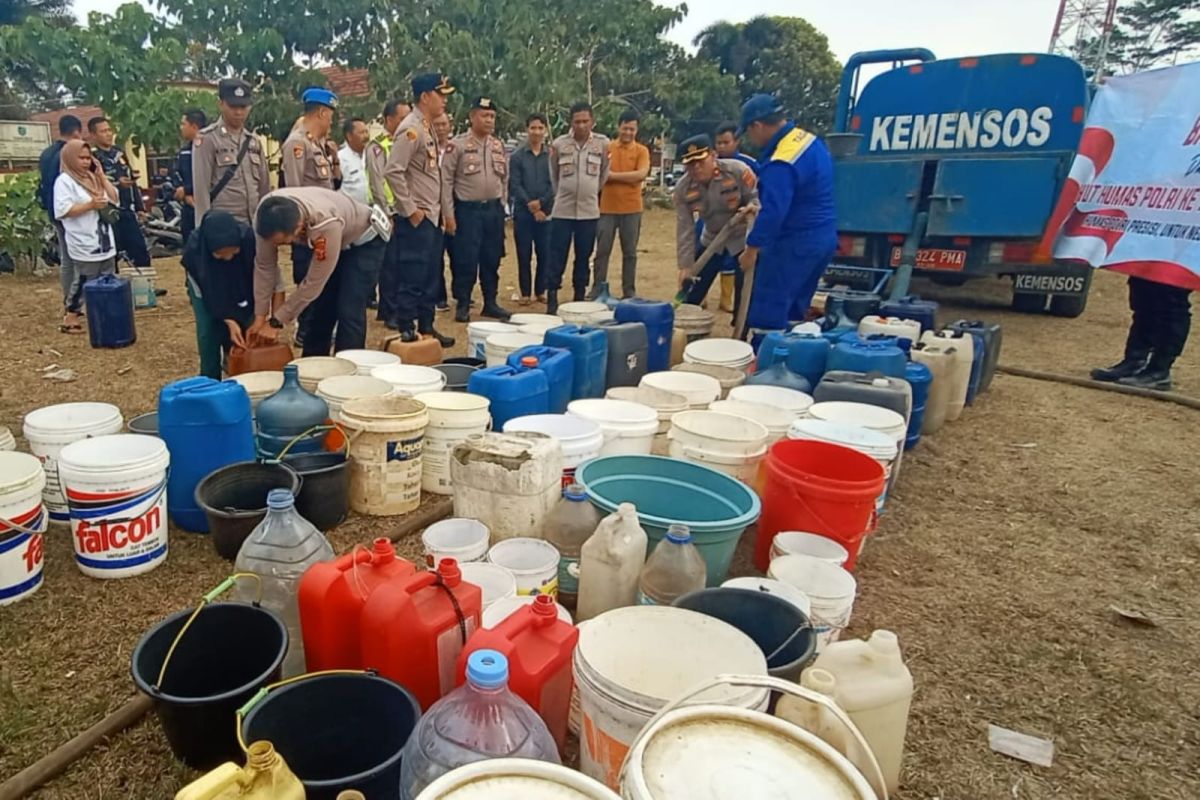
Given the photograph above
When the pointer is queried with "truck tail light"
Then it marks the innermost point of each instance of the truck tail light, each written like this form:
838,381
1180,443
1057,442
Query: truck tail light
1012,253
852,246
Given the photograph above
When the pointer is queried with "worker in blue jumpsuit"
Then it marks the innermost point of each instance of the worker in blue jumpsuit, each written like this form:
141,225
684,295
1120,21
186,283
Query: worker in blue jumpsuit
795,234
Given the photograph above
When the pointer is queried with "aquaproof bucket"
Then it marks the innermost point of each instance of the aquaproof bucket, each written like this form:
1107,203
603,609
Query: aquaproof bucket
387,435
48,430
22,523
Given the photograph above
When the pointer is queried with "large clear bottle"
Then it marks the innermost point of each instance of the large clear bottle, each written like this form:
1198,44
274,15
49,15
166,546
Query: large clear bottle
569,524
479,720
279,550
610,563
673,569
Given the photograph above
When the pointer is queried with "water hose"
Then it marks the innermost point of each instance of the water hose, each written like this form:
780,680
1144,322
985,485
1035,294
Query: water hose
1104,386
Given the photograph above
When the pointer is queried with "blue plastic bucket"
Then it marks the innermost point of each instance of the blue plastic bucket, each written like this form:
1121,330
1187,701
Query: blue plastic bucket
715,507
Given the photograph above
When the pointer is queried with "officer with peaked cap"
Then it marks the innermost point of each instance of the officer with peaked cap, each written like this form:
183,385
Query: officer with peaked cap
229,168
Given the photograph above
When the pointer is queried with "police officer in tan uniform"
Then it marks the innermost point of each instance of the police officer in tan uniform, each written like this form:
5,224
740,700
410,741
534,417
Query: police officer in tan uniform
415,176
229,169
475,194
578,168
712,190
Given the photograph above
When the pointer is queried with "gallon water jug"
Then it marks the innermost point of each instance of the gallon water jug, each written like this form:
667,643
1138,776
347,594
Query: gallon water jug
289,413
559,366
978,355
279,551
538,646
674,569
610,564
872,388
807,353
659,318
569,526
513,391
856,354
265,357
920,379
992,337
628,348
331,597
963,348
480,720
589,346
109,301
412,631
265,777
912,307
779,374
940,362
206,424
875,688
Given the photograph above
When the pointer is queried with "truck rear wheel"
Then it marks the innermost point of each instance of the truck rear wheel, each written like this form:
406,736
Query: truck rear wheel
1072,305
1029,303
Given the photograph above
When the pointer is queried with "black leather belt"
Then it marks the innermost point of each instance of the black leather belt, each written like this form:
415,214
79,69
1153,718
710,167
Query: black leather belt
477,205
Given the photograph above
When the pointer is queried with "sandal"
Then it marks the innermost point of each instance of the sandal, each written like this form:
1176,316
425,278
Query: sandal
74,329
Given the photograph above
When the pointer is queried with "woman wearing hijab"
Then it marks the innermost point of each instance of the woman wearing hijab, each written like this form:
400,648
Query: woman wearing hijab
219,260
85,204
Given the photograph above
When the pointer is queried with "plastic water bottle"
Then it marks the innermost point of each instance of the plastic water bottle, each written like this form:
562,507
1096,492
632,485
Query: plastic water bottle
673,569
479,720
610,563
778,374
278,551
571,523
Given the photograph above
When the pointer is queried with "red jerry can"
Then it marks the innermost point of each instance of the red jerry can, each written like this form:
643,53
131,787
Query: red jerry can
412,631
332,595
539,647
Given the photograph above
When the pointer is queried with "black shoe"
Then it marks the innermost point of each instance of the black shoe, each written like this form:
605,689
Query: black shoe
552,301
408,336
442,307
444,341
491,309
462,313
1130,365
580,295
392,324
1156,378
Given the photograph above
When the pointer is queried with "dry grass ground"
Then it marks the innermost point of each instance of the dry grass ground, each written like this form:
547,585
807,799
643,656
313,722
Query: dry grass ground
1011,535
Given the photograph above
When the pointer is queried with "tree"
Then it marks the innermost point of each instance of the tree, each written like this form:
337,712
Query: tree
14,12
1153,33
784,56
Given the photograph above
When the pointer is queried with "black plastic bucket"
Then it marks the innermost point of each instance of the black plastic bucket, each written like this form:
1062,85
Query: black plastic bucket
781,630
338,732
234,499
458,371
230,652
146,424
324,498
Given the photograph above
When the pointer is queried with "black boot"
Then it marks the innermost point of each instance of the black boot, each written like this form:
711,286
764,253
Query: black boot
392,324
492,309
462,313
1156,375
408,336
444,341
1126,367
580,294
552,301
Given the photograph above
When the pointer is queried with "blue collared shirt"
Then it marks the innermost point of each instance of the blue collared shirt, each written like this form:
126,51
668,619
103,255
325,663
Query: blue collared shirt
795,188
747,160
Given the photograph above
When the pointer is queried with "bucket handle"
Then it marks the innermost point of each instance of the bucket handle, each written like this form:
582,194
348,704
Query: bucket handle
40,523
783,687
314,429
871,526
211,595
258,697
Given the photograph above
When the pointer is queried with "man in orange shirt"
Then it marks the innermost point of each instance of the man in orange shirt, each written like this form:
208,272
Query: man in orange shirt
621,205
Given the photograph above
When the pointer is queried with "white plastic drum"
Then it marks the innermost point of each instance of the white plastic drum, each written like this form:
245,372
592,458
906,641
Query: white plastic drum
700,390
496,582
501,610
499,346
48,430
728,444
797,403
340,389
720,352
367,360
581,438
464,540
411,380
22,523
533,562
478,332
629,428
830,589
453,416
515,779
116,487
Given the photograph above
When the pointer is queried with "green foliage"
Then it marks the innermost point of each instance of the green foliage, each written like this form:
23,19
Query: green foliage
24,222
1154,33
14,12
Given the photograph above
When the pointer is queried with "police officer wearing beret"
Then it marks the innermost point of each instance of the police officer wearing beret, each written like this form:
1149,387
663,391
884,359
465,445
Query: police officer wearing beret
414,174
229,168
474,197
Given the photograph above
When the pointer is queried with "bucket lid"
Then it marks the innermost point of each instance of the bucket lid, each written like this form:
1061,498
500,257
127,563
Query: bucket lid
778,396
876,444
722,427
20,471
512,341
114,452
620,412
515,779
505,607
495,581
315,368
695,387
386,407
719,351
581,307
728,376
72,417
810,544
771,586
861,414
369,358
453,401
409,375
816,577
535,319
564,427
347,387
774,418
483,327
656,398
264,382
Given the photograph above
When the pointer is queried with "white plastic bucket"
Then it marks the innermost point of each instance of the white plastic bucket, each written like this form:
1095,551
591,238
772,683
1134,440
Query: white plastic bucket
667,404
728,444
632,661
728,377
478,332
367,360
314,369
523,318
453,416
582,312
700,390
22,523
536,330
776,420
501,610
771,586
865,415
629,428
790,400
496,582
411,380
515,779
48,430
533,562
694,321
830,589
876,444
117,490
499,346
386,435
259,385
7,442
720,352
340,389
802,543
581,438
464,540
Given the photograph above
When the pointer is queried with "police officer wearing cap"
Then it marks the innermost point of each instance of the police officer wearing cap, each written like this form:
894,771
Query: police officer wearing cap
414,175
795,234
712,191
229,169
474,197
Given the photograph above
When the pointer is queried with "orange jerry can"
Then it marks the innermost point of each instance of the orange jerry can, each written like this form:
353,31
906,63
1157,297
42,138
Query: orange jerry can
412,631
332,595
424,352
539,647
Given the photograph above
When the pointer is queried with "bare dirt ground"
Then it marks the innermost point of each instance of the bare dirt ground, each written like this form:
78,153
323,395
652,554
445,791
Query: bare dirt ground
1012,535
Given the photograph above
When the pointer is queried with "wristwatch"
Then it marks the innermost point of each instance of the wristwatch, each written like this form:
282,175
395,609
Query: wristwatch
274,323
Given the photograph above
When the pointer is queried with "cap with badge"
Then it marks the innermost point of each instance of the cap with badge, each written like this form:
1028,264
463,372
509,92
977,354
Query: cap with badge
759,106
319,95
431,82
235,92
483,104
695,148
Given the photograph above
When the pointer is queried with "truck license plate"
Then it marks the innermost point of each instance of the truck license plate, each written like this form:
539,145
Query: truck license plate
935,258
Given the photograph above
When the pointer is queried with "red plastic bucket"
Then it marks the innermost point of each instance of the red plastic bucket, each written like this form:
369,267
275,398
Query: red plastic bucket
818,487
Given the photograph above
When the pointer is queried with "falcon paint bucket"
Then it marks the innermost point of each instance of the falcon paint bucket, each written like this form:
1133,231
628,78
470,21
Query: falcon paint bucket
22,523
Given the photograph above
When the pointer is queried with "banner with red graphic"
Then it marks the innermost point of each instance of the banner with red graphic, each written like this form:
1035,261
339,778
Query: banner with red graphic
1132,201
